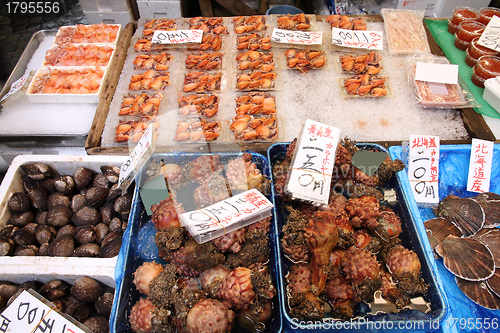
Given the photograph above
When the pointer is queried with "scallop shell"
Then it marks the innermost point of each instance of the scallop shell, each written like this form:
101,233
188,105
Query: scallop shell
494,282
466,214
467,258
487,196
491,238
478,292
490,202
438,229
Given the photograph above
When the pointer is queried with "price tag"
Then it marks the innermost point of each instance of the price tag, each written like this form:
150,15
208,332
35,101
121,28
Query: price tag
314,158
136,160
490,38
481,157
439,73
28,313
297,37
423,168
361,39
177,36
227,215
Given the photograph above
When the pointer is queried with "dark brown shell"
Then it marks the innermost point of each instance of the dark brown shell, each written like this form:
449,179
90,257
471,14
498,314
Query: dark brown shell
68,229
466,214
111,249
491,238
112,235
82,177
104,304
54,290
78,202
26,250
76,309
38,197
123,204
490,202
467,258
114,192
62,246
100,180
7,246
23,237
107,212
58,216
86,216
86,289
7,289
19,202
21,219
101,230
479,293
112,173
64,184
37,171
85,234
41,217
89,250
438,229
494,282
96,196
97,324
58,199
45,233
8,231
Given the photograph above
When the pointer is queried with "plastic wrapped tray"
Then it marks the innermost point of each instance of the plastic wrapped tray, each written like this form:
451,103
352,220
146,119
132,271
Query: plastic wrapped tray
411,238
141,248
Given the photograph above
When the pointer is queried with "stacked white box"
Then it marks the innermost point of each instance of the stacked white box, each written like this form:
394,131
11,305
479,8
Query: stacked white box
104,5
159,9
109,17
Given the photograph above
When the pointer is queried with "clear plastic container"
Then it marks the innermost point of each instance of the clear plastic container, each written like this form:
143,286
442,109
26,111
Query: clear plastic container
477,51
486,13
460,44
452,28
467,31
486,67
461,14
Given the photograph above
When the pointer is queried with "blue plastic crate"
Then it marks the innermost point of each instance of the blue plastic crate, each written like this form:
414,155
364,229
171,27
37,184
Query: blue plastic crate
453,172
406,320
139,246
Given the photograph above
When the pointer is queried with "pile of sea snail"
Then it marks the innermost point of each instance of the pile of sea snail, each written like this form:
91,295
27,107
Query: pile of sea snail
88,301
79,215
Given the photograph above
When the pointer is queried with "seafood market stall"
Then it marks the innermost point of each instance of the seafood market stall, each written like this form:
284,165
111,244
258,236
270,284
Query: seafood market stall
205,234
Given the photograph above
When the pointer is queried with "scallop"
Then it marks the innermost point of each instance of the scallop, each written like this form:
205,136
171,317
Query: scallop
467,258
494,282
490,238
490,202
479,293
438,229
466,214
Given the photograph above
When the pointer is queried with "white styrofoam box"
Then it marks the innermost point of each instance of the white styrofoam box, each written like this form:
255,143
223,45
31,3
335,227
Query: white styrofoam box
428,5
104,5
444,8
110,17
102,269
492,92
159,9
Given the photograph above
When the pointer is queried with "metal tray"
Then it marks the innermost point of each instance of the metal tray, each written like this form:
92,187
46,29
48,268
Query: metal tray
402,321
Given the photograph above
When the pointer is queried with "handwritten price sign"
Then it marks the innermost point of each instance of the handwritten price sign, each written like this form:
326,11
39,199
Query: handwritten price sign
481,158
490,38
177,36
137,159
423,168
297,37
361,39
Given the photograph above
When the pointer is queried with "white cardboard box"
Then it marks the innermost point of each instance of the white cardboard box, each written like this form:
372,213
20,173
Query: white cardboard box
159,9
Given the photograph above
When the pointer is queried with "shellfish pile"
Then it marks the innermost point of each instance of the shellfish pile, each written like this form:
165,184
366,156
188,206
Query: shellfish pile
340,255
465,234
78,215
217,286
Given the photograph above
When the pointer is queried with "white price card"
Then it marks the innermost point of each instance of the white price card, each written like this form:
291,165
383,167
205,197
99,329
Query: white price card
481,157
137,159
297,37
311,174
227,215
361,39
177,36
438,73
423,168
490,38
29,314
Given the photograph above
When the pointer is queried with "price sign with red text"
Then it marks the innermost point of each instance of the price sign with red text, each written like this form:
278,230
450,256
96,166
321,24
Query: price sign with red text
311,174
361,39
135,161
177,36
423,168
297,37
481,157
227,215
28,313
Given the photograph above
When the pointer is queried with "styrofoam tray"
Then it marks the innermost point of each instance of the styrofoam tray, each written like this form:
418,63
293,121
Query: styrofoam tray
103,268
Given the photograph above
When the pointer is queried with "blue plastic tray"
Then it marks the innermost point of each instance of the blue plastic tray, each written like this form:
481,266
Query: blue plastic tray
463,315
406,320
139,246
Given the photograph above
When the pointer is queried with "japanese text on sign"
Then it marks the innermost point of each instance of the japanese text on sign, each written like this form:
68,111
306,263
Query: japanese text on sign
177,36
423,168
481,157
314,158
297,37
361,39
490,38
228,214
136,160
28,314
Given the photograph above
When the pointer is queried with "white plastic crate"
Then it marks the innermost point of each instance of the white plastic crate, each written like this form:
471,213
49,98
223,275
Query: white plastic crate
104,5
110,17
159,9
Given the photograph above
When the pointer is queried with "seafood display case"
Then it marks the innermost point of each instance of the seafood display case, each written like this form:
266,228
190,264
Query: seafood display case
435,306
142,250
453,166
